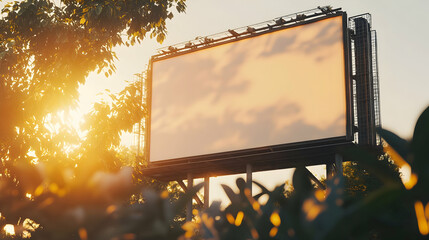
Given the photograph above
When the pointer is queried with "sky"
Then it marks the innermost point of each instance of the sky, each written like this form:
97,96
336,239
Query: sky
402,55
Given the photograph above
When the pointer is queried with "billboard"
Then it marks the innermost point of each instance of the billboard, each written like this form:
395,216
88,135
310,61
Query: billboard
282,87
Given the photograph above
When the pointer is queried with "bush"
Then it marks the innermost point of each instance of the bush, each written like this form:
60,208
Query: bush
99,207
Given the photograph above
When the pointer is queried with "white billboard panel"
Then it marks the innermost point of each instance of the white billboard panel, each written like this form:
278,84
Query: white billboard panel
283,87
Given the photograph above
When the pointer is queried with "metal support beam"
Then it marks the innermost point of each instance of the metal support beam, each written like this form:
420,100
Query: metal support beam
189,204
249,177
185,189
206,191
339,164
364,82
336,167
330,170
315,180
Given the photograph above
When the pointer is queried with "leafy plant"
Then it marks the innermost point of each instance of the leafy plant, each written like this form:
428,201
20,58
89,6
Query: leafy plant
394,210
55,185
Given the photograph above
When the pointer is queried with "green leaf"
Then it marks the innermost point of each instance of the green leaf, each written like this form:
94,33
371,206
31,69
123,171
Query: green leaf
420,145
5,10
355,219
301,181
98,9
181,203
241,184
160,38
400,145
233,197
263,192
372,164
332,210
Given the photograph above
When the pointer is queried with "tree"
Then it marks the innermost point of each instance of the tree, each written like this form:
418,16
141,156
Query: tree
47,49
359,182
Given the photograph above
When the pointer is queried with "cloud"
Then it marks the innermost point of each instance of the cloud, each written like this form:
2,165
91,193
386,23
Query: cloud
208,135
280,45
250,94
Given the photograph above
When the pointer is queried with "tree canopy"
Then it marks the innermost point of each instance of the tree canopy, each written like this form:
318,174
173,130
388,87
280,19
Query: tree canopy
47,50
55,184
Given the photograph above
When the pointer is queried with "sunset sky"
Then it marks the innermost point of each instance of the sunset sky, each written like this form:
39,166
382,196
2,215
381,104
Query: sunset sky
402,52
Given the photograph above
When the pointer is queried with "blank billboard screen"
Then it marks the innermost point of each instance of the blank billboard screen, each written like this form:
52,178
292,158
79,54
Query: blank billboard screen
282,87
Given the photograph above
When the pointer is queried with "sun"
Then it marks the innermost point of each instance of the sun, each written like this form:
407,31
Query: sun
9,229
66,123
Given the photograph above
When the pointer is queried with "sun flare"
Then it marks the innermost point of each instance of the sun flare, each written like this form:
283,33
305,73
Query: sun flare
9,229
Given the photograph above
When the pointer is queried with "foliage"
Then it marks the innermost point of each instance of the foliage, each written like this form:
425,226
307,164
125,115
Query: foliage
395,210
49,173
47,51
81,188
390,210
97,209
359,182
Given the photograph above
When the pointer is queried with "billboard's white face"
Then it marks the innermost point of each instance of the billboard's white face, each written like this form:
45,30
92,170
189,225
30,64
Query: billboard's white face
283,87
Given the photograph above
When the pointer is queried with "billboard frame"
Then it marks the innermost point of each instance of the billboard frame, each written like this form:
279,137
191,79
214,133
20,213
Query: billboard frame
311,152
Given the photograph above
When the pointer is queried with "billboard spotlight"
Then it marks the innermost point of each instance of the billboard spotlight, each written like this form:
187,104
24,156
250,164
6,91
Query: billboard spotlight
234,33
250,30
280,21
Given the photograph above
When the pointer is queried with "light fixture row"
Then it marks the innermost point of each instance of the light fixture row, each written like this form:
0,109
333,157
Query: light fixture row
246,31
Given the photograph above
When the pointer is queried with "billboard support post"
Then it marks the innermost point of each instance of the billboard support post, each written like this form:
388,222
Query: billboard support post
189,204
315,180
334,167
249,177
339,164
206,191
329,170
364,84
365,68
